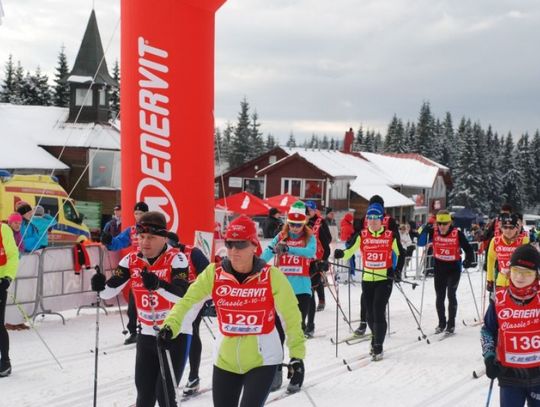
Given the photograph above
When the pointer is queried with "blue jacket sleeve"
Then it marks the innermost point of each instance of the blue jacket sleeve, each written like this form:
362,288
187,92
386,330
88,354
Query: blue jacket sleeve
121,241
199,260
268,253
488,333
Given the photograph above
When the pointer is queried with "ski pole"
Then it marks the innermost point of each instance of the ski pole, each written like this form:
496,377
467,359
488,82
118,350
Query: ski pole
414,285
489,392
173,376
208,327
96,350
124,330
338,306
423,335
151,294
31,323
474,297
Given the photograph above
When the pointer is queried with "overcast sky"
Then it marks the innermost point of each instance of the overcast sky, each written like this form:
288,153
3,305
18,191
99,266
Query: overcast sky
319,66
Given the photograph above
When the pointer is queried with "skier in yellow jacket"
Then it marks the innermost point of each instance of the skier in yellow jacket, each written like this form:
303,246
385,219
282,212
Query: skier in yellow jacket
248,295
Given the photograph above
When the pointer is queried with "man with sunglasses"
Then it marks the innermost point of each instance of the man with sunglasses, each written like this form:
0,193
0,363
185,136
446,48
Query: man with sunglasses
447,243
127,241
250,296
159,277
511,331
500,251
380,258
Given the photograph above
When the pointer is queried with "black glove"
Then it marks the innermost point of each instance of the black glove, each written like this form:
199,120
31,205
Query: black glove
164,337
490,286
397,276
468,264
492,367
281,248
97,282
323,266
338,254
4,283
150,280
296,371
106,238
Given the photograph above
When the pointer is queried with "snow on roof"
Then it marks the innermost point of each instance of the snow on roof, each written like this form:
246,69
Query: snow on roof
368,178
407,172
17,153
79,79
46,126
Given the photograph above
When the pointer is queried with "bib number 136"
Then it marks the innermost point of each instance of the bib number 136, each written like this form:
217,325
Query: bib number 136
525,342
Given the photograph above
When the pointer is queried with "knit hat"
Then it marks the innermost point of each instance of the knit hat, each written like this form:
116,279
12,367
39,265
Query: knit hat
23,208
297,212
153,223
39,211
141,206
526,256
15,217
242,228
375,209
376,199
328,210
311,205
273,212
118,208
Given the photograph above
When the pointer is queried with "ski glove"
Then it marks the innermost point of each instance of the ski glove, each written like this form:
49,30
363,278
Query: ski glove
490,286
492,367
469,264
281,248
97,282
322,265
4,283
164,337
106,238
296,372
338,254
150,280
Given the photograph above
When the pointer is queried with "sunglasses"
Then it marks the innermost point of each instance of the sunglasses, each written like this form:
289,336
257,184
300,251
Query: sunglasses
508,227
153,230
373,217
237,244
295,225
523,272
443,223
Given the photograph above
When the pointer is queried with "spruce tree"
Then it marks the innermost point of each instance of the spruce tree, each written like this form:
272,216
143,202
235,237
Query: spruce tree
448,145
8,86
256,137
391,140
18,84
270,142
358,144
291,142
424,132
226,141
325,143
493,172
512,181
410,137
525,165
241,148
35,89
332,144
378,143
535,151
61,87
114,98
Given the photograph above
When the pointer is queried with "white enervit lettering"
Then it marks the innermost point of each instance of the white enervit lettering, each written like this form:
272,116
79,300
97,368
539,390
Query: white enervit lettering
152,126
247,292
146,139
155,156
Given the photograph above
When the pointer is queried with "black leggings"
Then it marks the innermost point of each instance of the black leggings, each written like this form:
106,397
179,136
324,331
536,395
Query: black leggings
4,337
447,281
376,295
227,386
195,349
147,370
304,302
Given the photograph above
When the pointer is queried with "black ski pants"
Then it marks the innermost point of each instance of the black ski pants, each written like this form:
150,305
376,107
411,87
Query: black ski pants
446,281
4,337
253,385
132,314
376,296
147,369
195,349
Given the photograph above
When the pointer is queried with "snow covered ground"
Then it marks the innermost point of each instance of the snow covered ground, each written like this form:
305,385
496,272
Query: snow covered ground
413,373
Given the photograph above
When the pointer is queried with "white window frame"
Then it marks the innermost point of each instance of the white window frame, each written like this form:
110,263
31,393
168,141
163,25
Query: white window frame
254,179
303,187
115,176
102,98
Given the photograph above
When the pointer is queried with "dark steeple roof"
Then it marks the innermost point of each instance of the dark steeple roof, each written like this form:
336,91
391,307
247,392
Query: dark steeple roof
90,55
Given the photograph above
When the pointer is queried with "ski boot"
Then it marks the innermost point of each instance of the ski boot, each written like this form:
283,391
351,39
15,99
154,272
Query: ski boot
191,387
361,330
320,307
5,368
376,353
439,329
132,338
449,330
277,381
309,333
377,357
293,388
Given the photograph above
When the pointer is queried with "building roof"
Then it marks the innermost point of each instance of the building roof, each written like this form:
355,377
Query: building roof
19,153
406,171
46,126
90,58
366,178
